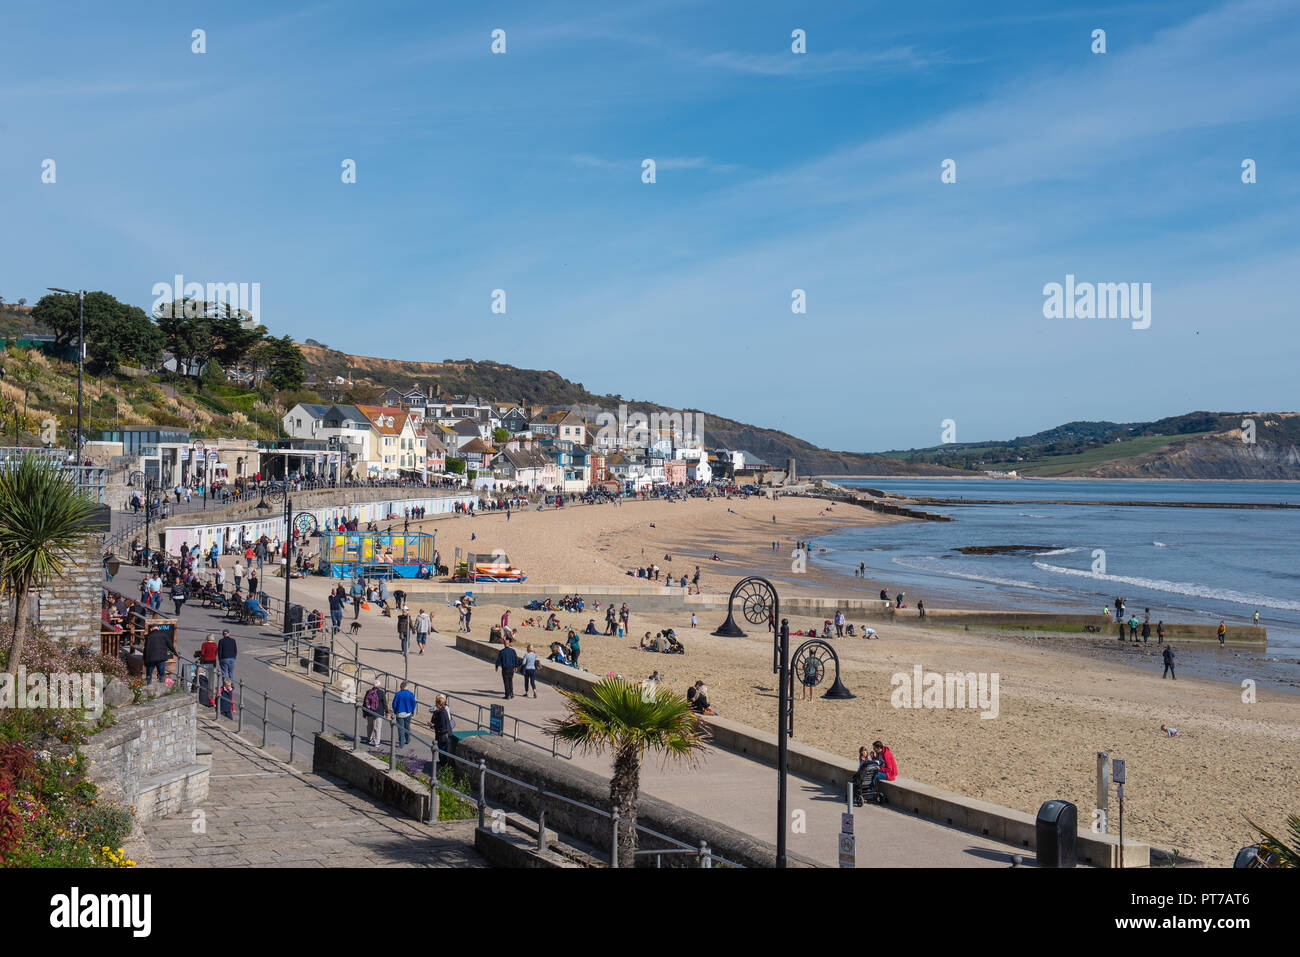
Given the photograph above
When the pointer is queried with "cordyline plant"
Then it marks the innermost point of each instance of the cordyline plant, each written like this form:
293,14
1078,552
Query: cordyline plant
1276,851
629,719
43,517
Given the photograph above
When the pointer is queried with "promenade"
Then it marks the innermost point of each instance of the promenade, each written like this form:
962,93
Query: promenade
727,787
724,786
263,812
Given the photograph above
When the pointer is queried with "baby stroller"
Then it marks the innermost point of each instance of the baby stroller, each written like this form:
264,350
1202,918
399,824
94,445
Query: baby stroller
864,784
675,647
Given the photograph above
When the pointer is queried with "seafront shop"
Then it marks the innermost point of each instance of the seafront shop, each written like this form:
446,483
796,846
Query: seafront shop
225,535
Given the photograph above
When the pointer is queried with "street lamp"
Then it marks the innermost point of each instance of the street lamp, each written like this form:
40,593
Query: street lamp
81,349
199,449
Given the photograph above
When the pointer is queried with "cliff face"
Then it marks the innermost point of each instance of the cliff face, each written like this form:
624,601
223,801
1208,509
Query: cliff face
1220,456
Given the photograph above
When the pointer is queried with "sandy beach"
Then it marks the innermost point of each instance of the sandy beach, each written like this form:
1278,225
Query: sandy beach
1058,706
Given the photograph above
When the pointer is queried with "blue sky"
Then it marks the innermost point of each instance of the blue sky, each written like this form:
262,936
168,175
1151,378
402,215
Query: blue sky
776,171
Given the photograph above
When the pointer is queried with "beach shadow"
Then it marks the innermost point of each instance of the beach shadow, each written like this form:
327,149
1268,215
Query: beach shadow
1026,859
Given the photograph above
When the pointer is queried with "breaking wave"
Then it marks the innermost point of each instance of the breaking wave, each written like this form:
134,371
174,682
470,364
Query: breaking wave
1191,589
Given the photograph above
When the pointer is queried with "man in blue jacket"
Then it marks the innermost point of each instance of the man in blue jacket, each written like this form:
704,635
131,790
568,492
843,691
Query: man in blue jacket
508,662
403,708
226,652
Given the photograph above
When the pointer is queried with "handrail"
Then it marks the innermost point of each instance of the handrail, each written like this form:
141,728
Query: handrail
392,681
436,754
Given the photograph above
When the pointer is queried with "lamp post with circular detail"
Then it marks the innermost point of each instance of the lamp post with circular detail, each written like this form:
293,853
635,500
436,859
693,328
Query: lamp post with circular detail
759,603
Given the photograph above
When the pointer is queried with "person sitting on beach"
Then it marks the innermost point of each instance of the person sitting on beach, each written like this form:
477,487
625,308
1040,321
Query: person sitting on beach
553,623
869,632
701,702
884,595
644,643
1169,732
591,627
655,676
864,778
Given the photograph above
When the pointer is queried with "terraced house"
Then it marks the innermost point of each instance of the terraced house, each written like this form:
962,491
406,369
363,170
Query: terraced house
399,449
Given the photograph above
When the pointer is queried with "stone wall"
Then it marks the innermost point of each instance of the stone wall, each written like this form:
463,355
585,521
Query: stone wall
69,606
150,758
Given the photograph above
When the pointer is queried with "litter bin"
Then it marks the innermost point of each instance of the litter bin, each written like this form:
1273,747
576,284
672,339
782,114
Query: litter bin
1057,834
321,659
294,616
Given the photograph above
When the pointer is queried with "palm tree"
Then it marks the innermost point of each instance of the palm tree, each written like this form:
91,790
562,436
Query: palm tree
1279,853
629,719
43,515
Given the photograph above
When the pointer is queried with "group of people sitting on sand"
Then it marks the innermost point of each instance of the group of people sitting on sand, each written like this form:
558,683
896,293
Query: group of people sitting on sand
664,643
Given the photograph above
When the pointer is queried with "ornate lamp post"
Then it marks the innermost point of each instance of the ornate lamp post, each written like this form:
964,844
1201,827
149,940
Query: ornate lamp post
760,604
199,450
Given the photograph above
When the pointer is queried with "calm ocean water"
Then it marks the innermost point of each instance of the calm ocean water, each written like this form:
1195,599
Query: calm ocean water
1185,564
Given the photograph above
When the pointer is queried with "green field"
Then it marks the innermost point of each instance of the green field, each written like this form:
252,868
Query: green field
1055,465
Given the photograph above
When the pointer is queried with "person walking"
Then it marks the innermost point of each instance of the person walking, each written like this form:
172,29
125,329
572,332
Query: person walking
336,609
403,708
460,616
252,583
219,578
404,629
1169,663
357,591
443,725
1223,632
1160,632
179,595
1256,618
507,662
530,671
238,572
375,705
226,698
575,647
423,625
227,651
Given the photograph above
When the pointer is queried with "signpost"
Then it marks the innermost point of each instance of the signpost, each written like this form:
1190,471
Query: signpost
497,719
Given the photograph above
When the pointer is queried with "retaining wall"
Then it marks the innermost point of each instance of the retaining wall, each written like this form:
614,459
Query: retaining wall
150,757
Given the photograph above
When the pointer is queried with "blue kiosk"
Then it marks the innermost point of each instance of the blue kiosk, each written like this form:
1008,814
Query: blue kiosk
376,554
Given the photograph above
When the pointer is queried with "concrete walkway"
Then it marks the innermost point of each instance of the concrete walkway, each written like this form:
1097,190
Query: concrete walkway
727,787
261,812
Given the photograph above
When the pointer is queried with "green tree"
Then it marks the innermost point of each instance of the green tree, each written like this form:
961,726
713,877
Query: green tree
195,331
456,466
115,332
500,435
280,362
43,515
629,719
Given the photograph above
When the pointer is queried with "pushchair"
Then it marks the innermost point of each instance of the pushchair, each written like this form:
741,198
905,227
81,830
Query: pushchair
864,784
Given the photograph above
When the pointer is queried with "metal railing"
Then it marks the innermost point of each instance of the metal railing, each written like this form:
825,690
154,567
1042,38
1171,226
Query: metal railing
364,675
437,756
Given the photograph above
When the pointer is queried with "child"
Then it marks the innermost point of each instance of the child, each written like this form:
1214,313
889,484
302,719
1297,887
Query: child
1170,732
693,619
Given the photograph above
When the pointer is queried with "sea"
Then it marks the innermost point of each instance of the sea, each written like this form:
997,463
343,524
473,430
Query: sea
1184,564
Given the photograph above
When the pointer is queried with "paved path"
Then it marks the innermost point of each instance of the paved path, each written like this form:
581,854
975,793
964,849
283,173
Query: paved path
727,787
264,813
